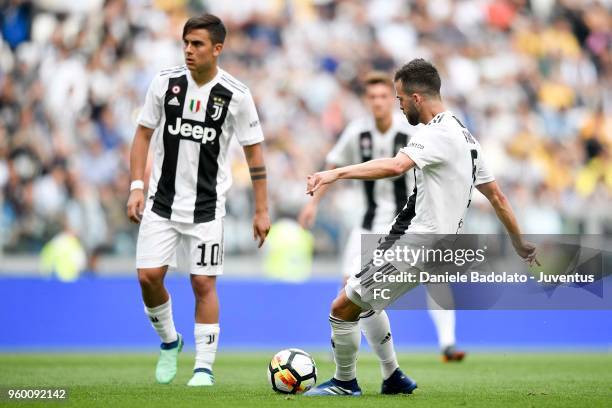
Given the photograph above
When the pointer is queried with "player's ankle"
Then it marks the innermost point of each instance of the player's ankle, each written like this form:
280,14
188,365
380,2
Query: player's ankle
345,383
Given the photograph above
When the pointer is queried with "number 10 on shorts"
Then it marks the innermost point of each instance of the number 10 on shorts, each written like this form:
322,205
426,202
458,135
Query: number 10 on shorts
209,255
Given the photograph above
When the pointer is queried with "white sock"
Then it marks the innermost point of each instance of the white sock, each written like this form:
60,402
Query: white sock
161,320
345,345
444,320
442,316
377,330
206,341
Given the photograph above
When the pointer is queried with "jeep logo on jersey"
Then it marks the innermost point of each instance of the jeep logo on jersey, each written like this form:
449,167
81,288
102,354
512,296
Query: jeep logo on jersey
192,131
218,104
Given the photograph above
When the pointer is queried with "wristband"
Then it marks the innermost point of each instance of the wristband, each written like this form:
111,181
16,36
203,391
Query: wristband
137,185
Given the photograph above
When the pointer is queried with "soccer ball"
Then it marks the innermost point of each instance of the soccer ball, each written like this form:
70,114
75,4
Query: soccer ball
292,371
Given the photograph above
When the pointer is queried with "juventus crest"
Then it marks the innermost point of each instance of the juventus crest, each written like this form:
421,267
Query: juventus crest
218,104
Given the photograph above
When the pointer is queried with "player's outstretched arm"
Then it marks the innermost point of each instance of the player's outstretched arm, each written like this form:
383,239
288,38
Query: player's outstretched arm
370,170
138,161
503,210
257,168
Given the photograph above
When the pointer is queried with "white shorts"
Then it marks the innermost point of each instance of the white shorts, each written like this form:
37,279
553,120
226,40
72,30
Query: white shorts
351,259
376,287
197,248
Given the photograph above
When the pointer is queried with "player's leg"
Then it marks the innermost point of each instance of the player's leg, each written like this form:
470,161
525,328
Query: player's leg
205,245
345,336
374,325
376,328
444,321
206,330
345,339
158,306
155,250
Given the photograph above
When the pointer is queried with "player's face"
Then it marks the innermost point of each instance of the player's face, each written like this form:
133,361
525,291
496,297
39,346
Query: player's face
200,53
379,98
408,104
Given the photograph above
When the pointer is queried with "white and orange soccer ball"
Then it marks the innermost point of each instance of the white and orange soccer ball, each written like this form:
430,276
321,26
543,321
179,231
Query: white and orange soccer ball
292,371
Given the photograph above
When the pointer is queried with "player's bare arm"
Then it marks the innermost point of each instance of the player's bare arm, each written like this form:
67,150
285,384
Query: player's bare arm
503,210
138,161
370,170
257,168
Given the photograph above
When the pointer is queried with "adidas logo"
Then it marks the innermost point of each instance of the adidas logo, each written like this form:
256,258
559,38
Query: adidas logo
154,319
174,102
386,339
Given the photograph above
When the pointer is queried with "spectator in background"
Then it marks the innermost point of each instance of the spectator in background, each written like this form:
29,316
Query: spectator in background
15,21
63,257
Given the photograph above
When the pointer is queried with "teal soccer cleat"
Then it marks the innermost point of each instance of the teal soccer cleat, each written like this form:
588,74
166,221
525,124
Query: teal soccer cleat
168,360
202,377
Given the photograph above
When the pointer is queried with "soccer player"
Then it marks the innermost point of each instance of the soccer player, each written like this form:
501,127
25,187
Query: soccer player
196,109
381,134
448,162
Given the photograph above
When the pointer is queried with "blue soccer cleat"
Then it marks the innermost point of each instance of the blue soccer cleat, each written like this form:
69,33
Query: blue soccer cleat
398,383
336,388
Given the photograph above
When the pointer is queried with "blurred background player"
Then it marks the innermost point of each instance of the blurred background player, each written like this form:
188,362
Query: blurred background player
448,164
382,134
196,109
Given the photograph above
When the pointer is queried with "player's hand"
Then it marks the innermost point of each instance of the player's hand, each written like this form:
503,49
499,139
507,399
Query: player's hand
135,205
314,181
308,215
527,251
261,227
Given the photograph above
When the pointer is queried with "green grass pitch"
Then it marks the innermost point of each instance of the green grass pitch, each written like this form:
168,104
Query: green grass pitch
483,380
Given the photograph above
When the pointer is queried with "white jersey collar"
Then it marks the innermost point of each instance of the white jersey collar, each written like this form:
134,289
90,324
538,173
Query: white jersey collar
209,84
439,116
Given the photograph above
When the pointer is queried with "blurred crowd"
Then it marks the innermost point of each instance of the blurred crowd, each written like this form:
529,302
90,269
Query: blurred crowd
532,80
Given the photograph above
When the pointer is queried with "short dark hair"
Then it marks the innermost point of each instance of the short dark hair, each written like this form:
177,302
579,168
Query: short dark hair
208,22
378,77
419,76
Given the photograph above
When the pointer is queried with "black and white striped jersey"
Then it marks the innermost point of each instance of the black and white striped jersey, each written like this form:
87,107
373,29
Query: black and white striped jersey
194,126
361,141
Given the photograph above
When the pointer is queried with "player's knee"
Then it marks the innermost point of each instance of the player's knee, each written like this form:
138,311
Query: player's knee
344,309
337,308
203,286
149,278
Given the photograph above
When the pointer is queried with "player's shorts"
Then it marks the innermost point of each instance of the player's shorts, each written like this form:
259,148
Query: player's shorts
197,248
351,259
377,286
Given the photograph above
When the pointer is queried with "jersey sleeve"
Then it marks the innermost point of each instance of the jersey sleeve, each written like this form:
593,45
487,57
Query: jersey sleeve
343,152
424,149
151,112
248,128
484,174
